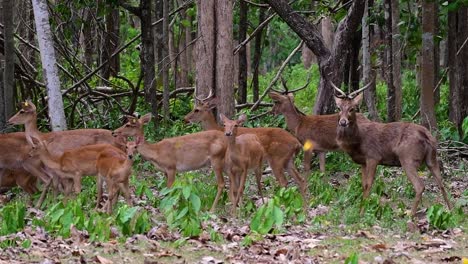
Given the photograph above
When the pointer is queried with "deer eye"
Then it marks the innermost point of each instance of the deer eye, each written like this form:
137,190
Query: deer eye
236,125
196,111
21,111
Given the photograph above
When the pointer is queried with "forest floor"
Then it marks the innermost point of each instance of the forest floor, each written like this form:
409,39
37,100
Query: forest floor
410,241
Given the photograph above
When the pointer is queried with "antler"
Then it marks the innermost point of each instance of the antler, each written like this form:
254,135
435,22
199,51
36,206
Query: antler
203,100
351,95
338,89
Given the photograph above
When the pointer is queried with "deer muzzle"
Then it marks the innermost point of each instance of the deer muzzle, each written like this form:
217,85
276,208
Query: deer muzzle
343,122
228,134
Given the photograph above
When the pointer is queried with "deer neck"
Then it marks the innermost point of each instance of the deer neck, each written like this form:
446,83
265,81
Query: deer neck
210,123
144,147
293,117
232,144
31,130
49,160
349,135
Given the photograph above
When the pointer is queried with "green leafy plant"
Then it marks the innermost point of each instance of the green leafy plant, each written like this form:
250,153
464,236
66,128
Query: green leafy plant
439,218
12,218
267,216
181,207
132,220
352,259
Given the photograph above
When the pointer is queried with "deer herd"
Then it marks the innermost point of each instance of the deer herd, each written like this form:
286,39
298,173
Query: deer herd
60,159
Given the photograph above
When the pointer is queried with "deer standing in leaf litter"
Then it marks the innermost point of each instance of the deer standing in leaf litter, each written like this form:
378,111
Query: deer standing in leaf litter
398,144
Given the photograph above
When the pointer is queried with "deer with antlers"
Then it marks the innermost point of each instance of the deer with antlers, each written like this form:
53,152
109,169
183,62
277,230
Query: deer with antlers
399,144
318,130
244,152
59,141
178,154
280,146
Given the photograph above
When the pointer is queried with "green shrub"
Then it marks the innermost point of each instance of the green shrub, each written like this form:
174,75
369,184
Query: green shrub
439,218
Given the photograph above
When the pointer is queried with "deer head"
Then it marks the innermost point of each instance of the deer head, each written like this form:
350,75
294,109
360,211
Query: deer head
39,145
201,111
348,108
280,102
131,148
133,127
230,126
25,114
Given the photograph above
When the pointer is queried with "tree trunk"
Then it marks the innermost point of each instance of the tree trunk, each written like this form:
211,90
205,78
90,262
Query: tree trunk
458,74
224,57
354,75
330,62
9,55
427,66
184,59
436,55
165,65
88,38
368,74
396,60
242,55
391,99
327,31
257,56
46,46
205,48
111,44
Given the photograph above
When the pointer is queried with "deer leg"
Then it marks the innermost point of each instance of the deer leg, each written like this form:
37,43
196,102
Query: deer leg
241,187
368,177
278,171
435,170
43,194
170,173
99,187
306,161
258,178
77,182
301,182
321,156
218,170
418,184
124,187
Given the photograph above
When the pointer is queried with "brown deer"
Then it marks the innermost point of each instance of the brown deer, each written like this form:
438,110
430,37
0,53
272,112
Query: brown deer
244,152
73,164
178,154
15,161
280,146
59,141
115,167
319,130
398,144
19,177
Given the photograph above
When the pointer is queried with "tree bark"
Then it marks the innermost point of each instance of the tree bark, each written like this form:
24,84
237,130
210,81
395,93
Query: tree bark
458,74
224,57
111,44
242,55
257,56
396,60
9,56
46,46
330,61
165,64
427,66
205,48
368,74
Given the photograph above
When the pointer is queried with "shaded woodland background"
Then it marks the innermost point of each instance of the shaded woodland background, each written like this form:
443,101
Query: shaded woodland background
118,57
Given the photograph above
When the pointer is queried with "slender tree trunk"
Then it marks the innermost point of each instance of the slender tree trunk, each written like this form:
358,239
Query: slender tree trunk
46,46
458,74
391,99
436,54
368,73
242,55
165,65
205,48
224,57
396,60
9,55
184,62
427,66
111,44
257,56
88,39
354,74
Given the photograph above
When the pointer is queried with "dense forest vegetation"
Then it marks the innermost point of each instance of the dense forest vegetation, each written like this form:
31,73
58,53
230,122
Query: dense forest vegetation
103,64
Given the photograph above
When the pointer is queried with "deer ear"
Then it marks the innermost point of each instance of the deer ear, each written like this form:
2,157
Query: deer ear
358,99
146,118
222,117
274,96
242,118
